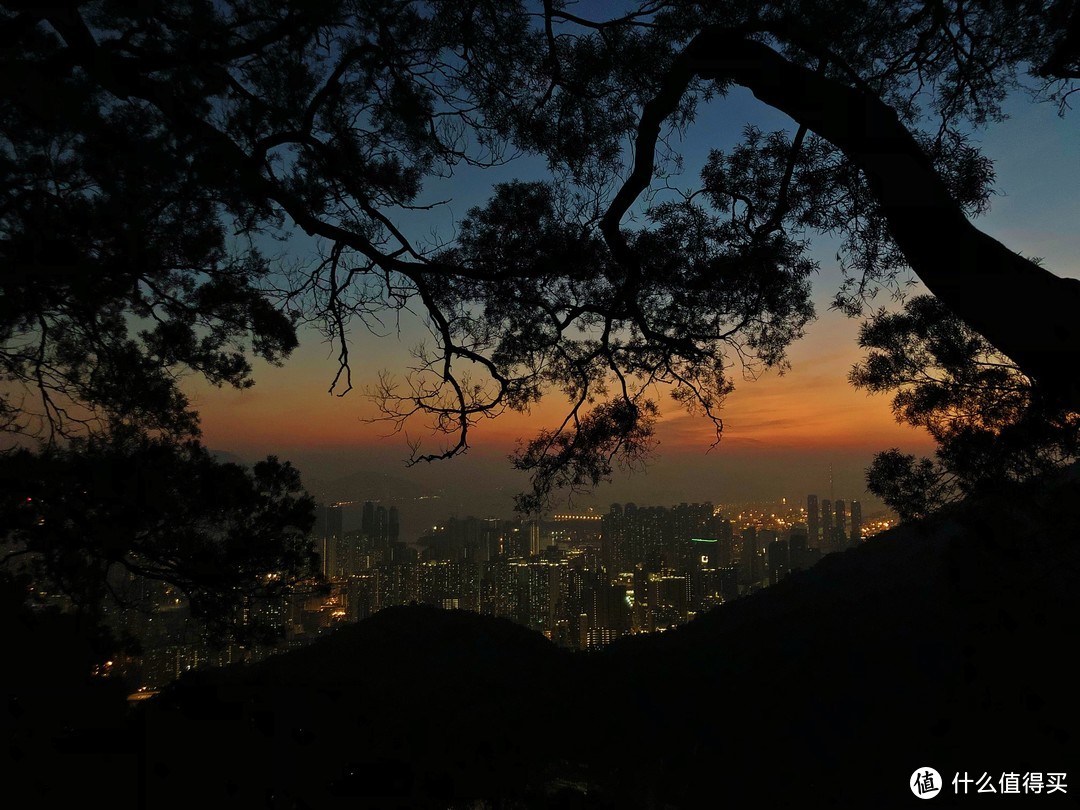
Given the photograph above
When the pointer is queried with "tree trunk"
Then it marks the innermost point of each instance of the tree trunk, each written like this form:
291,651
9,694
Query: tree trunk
1026,312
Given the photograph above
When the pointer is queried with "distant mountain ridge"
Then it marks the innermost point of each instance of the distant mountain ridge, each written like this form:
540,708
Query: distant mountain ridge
363,485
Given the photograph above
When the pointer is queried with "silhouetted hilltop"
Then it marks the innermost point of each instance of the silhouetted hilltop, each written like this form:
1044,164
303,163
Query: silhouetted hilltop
945,643
412,705
941,643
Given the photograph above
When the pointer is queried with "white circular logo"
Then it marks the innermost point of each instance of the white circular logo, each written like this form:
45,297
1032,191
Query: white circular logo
925,783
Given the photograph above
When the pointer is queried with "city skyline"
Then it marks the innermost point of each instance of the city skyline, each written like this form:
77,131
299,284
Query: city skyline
582,580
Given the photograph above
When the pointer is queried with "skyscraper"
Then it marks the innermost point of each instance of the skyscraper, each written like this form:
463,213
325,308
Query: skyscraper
779,558
813,525
394,528
334,554
797,550
856,523
533,528
748,557
724,535
828,538
841,526
367,522
382,527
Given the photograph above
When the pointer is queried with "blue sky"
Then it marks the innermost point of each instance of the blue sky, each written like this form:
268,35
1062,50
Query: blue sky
782,434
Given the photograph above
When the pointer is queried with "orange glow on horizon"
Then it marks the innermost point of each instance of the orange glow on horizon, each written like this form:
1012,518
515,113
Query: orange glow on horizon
812,406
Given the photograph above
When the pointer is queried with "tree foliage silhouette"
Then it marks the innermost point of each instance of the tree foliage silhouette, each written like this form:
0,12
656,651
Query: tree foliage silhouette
991,423
148,149
98,517
120,274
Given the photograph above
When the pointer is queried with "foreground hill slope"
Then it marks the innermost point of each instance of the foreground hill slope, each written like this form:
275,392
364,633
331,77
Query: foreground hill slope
946,643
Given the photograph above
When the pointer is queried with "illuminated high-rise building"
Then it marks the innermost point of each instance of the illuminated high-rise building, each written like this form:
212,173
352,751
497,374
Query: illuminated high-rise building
841,526
828,536
367,521
381,529
394,525
797,548
748,561
332,539
856,523
533,529
687,522
813,525
779,558
724,536
668,599
704,552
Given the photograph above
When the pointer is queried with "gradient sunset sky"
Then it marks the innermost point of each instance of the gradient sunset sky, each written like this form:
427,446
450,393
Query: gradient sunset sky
781,434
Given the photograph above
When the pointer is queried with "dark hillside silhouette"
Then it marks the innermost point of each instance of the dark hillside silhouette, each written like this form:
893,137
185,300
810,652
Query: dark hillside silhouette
943,643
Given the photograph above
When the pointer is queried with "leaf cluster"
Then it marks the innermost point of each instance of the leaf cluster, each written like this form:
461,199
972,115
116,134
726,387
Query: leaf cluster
988,419
102,516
